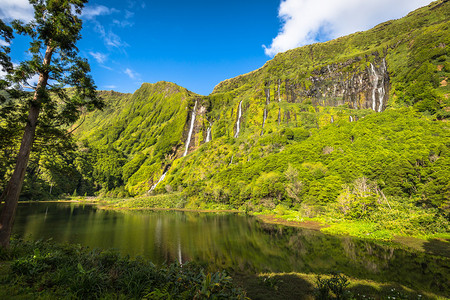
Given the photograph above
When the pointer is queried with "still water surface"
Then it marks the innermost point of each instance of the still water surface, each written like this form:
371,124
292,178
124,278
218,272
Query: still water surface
237,242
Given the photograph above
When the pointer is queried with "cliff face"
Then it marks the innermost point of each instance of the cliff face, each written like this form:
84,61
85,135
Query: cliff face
337,84
341,84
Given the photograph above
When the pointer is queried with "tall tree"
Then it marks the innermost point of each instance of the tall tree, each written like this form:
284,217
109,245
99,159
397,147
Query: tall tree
54,32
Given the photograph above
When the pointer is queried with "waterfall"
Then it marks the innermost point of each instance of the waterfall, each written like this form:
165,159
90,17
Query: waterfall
191,129
279,84
332,119
208,133
350,118
238,122
381,91
231,161
279,115
160,179
180,257
264,120
267,91
374,79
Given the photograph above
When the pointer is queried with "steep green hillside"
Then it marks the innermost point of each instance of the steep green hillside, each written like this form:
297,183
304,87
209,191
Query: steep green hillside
296,99
137,136
290,102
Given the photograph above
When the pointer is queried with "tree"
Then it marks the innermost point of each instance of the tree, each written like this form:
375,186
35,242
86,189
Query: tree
54,32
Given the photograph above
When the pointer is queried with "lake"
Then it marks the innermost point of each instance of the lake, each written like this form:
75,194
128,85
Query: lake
231,241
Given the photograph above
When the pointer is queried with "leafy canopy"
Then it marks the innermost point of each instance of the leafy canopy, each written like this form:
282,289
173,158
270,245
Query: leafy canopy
55,29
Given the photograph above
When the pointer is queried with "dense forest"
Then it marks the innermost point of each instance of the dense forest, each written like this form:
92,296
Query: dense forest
354,128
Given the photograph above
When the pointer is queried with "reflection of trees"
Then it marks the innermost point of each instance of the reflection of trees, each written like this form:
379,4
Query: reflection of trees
236,242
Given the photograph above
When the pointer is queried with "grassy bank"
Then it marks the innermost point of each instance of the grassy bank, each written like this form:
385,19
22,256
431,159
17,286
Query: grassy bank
380,222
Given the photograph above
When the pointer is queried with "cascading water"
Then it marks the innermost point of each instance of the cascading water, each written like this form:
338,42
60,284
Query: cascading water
350,118
279,84
264,120
381,91
279,116
180,257
208,133
238,122
191,129
332,119
374,79
267,91
160,179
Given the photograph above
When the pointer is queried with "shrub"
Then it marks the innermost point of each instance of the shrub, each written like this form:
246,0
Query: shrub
334,287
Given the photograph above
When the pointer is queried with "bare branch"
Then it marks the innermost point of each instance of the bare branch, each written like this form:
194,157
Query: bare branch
27,86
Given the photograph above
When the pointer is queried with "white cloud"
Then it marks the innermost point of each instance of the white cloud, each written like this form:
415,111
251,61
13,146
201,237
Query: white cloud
111,87
3,43
132,4
309,21
99,57
123,24
32,81
90,12
2,73
128,14
131,73
109,38
107,68
126,22
16,9
113,40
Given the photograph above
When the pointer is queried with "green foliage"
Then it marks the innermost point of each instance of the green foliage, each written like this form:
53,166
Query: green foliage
335,287
71,271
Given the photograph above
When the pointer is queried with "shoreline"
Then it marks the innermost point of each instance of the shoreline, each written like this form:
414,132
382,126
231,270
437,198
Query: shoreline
412,242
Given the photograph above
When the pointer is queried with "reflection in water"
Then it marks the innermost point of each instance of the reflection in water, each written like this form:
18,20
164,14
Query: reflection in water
230,241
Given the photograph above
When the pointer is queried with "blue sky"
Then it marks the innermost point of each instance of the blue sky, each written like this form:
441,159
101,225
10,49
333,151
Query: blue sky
199,43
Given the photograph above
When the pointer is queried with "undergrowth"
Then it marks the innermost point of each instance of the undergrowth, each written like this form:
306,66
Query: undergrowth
44,269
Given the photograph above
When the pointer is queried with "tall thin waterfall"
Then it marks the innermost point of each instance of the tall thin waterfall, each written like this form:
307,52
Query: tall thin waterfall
231,161
350,118
238,122
381,91
160,179
332,119
180,257
267,91
279,84
264,120
208,133
279,115
374,79
188,141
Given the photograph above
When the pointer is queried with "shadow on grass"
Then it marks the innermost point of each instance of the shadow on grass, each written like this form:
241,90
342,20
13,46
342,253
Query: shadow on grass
286,286
437,247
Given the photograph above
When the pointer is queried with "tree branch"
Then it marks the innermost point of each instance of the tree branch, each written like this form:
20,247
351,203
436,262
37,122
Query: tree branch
27,86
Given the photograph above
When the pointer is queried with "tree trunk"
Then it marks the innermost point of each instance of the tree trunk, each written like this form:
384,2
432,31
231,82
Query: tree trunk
14,187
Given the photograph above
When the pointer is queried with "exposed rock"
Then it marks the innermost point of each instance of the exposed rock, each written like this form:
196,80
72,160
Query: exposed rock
343,84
